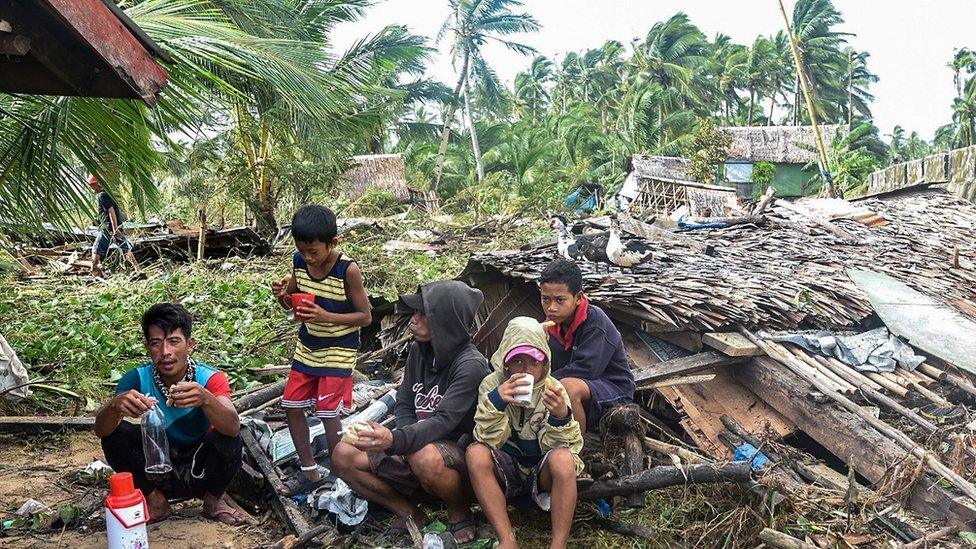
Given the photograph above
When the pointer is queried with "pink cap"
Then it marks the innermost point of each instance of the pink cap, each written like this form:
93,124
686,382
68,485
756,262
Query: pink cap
533,352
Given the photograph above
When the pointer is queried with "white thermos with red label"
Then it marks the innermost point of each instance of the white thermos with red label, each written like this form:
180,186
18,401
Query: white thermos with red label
126,514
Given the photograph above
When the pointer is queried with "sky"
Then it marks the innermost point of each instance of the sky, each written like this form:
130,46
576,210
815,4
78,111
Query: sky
910,41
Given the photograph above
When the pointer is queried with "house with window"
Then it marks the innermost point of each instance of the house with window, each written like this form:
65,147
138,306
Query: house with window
792,150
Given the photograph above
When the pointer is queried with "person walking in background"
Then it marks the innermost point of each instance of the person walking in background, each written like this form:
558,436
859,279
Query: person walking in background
110,224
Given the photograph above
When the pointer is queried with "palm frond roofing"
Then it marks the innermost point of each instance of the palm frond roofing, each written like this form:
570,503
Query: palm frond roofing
778,144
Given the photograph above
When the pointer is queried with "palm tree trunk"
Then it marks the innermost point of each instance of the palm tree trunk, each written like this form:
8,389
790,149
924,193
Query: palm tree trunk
448,118
660,125
476,149
796,101
850,87
772,108
264,203
752,104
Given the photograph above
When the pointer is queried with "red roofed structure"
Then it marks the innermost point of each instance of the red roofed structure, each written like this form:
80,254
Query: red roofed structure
86,48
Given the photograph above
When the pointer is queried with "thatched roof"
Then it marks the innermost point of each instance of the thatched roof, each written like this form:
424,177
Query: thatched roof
648,166
377,171
778,144
783,274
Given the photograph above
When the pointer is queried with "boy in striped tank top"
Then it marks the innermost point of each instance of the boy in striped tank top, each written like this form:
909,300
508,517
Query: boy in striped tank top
328,340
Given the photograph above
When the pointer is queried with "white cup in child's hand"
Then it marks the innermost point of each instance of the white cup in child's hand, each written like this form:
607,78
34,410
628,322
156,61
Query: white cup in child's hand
524,390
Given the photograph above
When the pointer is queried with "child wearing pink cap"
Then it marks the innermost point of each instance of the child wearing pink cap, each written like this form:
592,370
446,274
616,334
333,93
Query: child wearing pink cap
525,446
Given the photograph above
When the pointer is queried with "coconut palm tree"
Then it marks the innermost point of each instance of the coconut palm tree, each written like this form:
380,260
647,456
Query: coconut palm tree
756,71
48,145
668,57
532,93
896,145
471,25
963,62
857,78
820,46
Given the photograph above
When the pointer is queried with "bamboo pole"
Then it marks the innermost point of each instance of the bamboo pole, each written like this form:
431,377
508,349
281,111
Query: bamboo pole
908,444
798,61
946,376
918,375
886,383
829,374
884,400
855,377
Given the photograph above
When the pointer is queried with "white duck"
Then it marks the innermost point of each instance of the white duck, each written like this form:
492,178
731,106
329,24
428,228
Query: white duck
625,254
565,243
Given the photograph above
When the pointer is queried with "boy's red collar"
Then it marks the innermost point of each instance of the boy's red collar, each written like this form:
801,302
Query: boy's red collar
567,339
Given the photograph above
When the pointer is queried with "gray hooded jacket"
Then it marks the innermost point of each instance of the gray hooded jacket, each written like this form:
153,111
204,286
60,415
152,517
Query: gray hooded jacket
439,391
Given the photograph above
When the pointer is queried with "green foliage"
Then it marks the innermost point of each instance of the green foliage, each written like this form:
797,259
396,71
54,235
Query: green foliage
83,335
708,149
763,174
375,203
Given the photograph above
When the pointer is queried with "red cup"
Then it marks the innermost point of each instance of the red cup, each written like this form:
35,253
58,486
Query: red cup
299,299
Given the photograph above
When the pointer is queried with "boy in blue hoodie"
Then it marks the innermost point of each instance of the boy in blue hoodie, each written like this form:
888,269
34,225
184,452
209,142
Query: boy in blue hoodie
588,354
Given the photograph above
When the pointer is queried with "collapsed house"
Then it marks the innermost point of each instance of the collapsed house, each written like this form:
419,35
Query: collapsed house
698,323
68,250
780,340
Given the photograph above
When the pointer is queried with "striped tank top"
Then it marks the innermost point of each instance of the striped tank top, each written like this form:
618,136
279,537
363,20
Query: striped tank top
326,348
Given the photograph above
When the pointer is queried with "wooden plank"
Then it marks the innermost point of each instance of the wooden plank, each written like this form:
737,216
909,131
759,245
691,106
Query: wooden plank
847,437
34,424
683,366
685,380
286,508
731,344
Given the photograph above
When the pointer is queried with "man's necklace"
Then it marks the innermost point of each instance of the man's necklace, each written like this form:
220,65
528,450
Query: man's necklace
191,371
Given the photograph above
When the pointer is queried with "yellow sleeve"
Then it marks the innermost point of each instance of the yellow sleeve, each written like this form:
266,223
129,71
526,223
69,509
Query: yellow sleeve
491,424
562,433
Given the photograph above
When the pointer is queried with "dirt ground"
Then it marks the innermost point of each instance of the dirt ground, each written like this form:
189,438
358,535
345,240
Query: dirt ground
43,468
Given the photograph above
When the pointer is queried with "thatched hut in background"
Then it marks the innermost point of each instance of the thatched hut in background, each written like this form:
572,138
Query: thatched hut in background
377,171
791,149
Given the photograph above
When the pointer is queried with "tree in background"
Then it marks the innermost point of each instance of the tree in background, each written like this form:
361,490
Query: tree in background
763,174
707,150
471,25
229,72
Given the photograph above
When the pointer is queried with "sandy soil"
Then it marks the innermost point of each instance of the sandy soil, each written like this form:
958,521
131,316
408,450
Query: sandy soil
43,468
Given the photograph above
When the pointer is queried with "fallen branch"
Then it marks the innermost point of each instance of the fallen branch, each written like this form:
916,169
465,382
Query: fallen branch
667,475
259,397
779,540
33,424
929,538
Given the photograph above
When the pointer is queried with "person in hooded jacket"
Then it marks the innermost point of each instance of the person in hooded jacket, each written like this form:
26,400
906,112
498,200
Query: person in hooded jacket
434,410
527,441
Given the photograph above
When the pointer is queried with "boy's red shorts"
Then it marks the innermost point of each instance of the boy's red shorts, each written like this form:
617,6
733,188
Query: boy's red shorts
330,396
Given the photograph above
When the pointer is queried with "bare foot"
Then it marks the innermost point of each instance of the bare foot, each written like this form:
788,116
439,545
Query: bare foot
159,508
214,508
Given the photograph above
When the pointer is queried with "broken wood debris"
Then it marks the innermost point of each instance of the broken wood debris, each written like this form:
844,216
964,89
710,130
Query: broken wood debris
667,475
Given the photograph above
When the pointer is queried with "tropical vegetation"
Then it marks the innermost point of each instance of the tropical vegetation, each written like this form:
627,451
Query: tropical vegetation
263,112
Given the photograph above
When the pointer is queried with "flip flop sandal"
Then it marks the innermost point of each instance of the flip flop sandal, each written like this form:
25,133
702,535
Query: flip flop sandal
302,485
455,527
